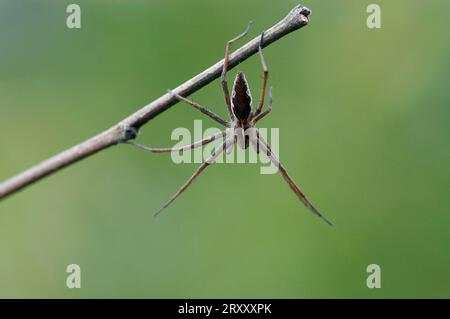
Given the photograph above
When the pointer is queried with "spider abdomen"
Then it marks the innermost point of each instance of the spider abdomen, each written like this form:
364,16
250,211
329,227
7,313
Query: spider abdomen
241,100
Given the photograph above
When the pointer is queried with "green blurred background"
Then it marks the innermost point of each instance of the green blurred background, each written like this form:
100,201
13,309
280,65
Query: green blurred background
364,127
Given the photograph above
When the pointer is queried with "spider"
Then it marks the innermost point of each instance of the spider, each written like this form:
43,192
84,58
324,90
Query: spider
242,121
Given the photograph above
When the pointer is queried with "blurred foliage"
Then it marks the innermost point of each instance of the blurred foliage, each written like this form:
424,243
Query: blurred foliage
364,127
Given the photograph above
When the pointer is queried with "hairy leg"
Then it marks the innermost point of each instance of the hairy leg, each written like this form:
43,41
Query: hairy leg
192,146
224,83
202,167
266,76
265,147
266,111
201,108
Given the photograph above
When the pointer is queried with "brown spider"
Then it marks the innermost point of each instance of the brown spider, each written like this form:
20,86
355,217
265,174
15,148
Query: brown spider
242,123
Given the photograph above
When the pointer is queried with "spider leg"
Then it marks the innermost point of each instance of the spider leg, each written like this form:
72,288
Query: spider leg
265,147
266,111
192,146
201,168
224,83
201,108
266,76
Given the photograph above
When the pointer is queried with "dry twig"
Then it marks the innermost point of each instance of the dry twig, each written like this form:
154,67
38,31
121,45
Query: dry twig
127,129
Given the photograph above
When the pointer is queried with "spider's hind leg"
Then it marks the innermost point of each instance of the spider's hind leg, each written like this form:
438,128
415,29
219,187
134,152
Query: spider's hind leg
201,168
265,147
192,146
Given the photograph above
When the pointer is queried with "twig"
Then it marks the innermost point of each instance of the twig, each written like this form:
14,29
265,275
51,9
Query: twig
127,129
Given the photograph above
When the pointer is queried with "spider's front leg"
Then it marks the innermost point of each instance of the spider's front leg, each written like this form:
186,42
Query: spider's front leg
260,143
226,92
266,76
260,116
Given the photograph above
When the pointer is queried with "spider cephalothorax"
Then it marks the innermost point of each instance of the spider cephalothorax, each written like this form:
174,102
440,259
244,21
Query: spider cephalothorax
242,125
